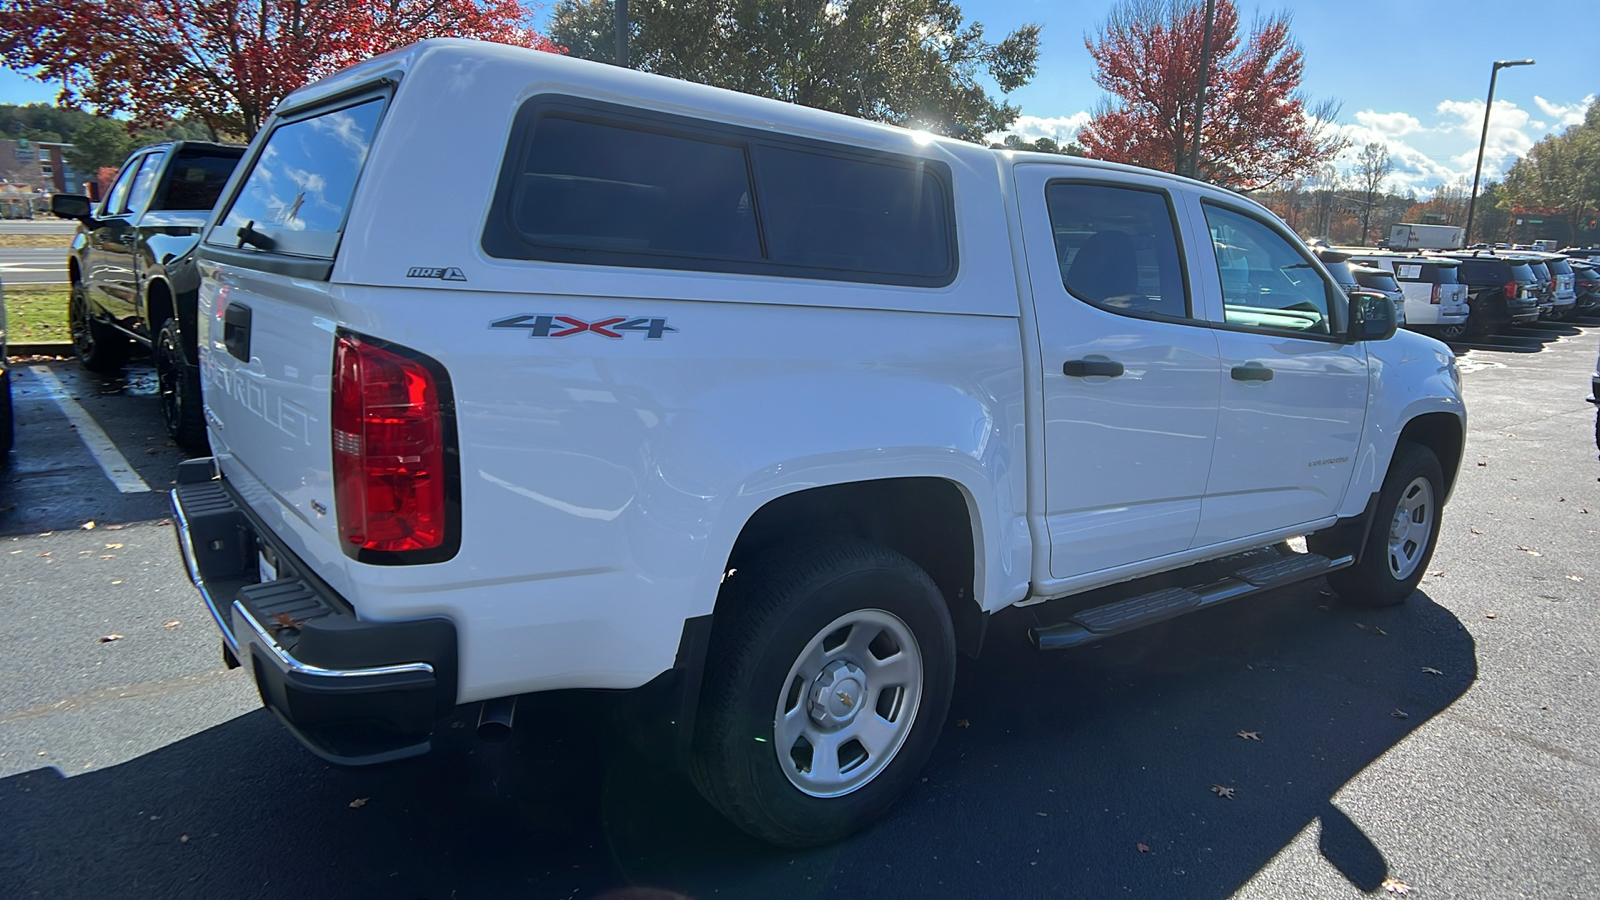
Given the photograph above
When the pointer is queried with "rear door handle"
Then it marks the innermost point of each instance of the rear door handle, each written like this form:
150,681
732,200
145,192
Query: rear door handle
236,330
1083,368
1252,372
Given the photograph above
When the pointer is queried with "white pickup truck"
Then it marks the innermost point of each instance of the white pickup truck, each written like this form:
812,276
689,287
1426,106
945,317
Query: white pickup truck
754,415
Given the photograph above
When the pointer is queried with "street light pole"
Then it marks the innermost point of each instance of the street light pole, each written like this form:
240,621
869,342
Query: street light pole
1488,107
622,33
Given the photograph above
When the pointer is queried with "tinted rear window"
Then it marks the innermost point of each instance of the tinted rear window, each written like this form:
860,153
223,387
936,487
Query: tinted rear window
579,185
1381,281
1424,272
1521,272
196,180
1540,273
297,193
1341,273
1558,266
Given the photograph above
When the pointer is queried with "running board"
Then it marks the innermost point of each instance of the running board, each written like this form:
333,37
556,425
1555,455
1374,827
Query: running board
1097,622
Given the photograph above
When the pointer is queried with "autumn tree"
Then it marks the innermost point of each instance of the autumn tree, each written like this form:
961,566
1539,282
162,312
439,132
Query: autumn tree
915,63
1371,169
1561,174
1258,127
226,62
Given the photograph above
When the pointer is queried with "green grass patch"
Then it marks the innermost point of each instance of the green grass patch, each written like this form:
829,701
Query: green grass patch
36,315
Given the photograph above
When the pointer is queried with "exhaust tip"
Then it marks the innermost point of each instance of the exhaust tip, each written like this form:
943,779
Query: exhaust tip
495,719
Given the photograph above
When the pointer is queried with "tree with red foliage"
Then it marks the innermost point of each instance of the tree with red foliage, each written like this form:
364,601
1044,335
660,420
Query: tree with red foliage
1257,128
227,62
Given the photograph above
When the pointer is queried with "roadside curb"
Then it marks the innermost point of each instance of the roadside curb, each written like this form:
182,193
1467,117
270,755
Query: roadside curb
61,349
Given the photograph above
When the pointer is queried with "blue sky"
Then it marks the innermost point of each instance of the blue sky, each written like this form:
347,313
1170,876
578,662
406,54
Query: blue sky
1410,73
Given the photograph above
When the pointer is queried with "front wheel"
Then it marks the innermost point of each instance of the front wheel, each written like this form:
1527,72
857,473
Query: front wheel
1405,530
179,383
827,681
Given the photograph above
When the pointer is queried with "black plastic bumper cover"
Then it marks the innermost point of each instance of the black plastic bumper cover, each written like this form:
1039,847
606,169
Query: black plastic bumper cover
354,692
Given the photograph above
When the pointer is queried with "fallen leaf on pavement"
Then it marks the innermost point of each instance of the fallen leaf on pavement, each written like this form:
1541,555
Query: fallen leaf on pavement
108,556
114,527
1042,815
113,546
87,526
1489,616
1574,577
1395,886
963,723
1430,670
1225,793
1529,550
1475,531
1483,464
108,638
46,553
1143,848
173,624
1250,735
358,802
1399,714
184,839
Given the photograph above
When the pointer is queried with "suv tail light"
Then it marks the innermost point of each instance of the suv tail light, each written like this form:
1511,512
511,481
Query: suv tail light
1511,290
396,484
1433,296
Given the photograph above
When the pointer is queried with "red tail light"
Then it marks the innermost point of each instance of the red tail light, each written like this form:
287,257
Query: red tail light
1511,290
393,471
1553,287
1433,297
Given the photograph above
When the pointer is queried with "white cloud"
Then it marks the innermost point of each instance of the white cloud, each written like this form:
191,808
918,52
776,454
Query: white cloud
1393,124
1508,140
1564,114
1061,129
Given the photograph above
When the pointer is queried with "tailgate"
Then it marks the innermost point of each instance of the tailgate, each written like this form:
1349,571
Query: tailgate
267,319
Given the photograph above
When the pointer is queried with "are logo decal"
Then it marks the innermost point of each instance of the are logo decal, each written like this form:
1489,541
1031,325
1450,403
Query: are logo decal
553,326
448,273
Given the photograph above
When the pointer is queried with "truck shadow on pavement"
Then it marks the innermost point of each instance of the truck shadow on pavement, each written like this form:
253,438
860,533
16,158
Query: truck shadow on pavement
1087,773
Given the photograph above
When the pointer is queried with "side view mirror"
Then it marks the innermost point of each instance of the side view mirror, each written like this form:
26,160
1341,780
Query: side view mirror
1371,316
72,206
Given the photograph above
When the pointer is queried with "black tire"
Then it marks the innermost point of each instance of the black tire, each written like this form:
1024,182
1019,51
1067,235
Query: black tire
179,383
1382,578
772,610
100,347
7,432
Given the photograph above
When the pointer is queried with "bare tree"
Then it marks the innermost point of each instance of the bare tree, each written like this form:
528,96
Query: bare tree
1372,167
1325,190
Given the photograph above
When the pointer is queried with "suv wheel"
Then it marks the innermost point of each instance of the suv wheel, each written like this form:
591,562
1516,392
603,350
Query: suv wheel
100,348
179,382
828,677
1403,535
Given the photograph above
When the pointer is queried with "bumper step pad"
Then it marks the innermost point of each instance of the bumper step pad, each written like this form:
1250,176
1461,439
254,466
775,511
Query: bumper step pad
1085,626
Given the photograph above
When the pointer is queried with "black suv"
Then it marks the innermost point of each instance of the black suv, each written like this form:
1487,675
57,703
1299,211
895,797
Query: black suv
1502,289
1586,282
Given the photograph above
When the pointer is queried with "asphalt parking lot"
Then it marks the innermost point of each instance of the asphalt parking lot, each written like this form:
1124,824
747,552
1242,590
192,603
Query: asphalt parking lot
1448,746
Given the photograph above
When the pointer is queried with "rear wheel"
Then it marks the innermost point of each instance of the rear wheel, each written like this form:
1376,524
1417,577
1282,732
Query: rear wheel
1404,532
100,347
827,681
179,382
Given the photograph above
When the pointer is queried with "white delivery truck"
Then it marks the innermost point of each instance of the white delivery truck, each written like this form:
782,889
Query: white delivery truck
1426,237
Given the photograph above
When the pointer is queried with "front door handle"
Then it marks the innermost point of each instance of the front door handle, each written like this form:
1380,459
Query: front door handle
1083,368
236,330
1252,372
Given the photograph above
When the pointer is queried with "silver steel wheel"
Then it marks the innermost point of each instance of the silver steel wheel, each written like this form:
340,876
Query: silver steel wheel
849,703
1411,528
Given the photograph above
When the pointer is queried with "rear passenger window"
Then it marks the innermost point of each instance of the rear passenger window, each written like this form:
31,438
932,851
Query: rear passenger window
662,191
196,182
1117,248
294,199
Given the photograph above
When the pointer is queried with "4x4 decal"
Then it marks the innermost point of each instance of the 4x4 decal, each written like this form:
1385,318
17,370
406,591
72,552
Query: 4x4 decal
553,326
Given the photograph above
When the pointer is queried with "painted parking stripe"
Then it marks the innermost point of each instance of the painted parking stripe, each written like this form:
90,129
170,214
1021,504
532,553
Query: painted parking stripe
111,460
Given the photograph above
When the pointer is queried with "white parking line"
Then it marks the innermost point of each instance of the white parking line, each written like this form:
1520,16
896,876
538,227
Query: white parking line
111,460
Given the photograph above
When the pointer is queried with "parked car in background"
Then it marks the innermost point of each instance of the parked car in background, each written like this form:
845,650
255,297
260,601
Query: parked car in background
132,273
1501,289
1374,279
1544,286
1586,283
1565,298
1435,299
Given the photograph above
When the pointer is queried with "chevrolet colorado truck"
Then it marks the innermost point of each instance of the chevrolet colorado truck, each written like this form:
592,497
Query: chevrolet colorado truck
755,415
132,273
